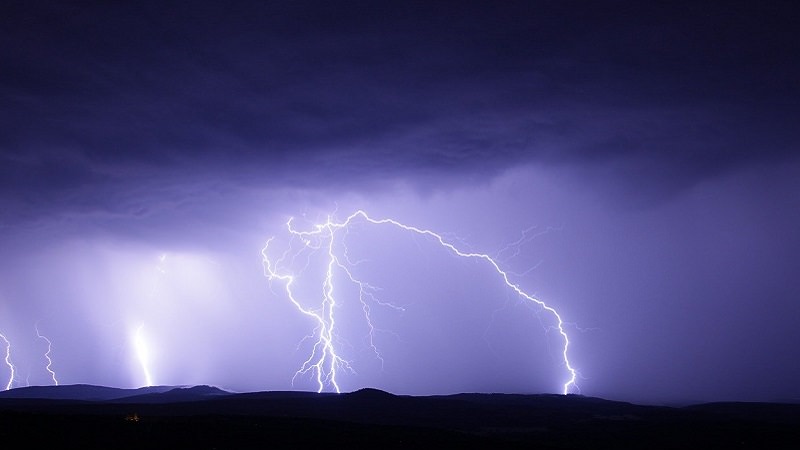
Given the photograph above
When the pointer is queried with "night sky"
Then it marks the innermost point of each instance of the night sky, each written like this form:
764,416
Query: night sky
634,165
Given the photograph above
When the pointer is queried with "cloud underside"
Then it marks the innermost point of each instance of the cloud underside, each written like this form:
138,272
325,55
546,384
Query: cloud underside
272,95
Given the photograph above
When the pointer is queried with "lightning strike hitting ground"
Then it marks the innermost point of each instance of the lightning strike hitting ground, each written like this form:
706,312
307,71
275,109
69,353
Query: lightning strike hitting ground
139,342
47,355
8,362
324,362
143,355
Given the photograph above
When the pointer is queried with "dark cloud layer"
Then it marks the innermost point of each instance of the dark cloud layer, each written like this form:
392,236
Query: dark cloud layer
98,94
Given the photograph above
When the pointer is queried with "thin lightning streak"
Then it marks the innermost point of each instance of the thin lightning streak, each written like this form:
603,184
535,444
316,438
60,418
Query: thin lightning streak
527,235
324,361
514,248
47,355
8,362
365,291
139,342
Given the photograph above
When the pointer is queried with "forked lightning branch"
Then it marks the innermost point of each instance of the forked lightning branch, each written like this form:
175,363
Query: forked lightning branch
325,362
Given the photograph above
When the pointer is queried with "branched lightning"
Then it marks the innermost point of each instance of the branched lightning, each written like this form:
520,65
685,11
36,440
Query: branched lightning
47,355
11,367
324,362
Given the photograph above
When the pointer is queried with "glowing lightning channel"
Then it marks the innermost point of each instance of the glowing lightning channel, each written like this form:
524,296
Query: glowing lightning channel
47,355
143,355
8,362
139,342
324,362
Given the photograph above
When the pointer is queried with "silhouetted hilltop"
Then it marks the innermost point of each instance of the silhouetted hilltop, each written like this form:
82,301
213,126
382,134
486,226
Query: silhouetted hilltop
208,417
176,394
85,392
370,393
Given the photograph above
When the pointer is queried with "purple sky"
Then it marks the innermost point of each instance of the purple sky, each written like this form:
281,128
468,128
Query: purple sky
148,151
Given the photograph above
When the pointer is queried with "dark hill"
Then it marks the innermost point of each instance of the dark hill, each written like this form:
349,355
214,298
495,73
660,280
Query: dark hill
206,417
85,392
178,394
370,393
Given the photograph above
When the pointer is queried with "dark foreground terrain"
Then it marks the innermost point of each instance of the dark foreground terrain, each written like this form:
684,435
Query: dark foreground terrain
203,417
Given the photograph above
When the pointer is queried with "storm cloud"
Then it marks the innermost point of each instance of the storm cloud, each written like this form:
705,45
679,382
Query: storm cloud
656,142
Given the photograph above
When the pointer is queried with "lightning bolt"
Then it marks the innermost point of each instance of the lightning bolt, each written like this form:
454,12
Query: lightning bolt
143,355
324,362
139,342
47,355
8,362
